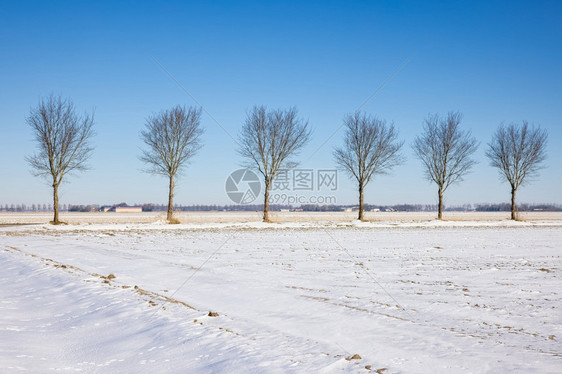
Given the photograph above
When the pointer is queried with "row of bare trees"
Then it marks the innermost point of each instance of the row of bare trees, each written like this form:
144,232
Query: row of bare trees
269,138
445,150
63,140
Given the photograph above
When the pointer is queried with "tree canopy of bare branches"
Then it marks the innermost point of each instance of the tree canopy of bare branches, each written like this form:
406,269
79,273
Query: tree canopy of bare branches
370,147
519,153
173,137
63,142
268,139
445,151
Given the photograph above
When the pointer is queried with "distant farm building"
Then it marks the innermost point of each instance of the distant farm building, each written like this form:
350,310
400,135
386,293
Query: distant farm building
128,209
122,209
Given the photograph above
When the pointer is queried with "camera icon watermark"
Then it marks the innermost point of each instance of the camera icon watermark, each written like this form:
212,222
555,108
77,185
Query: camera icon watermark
290,186
243,186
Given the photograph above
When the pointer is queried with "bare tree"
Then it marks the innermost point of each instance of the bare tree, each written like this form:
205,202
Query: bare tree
370,147
445,151
518,152
268,139
173,137
62,138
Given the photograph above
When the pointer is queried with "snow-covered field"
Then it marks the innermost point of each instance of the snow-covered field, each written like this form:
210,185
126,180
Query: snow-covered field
405,296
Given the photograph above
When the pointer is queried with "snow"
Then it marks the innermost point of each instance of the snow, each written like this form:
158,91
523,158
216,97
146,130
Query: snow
414,296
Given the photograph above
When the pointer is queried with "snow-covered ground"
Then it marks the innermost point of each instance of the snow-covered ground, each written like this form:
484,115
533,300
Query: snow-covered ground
408,297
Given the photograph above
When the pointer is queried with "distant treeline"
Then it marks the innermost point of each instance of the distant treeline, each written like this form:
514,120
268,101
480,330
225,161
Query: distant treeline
487,207
505,207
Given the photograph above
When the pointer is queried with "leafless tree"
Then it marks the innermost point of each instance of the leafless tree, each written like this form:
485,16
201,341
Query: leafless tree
173,137
268,139
62,138
445,151
370,147
518,152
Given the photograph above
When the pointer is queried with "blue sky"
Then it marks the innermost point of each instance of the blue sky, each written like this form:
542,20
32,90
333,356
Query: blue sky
493,61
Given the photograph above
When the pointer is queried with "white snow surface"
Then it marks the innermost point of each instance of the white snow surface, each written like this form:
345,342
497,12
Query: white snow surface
429,297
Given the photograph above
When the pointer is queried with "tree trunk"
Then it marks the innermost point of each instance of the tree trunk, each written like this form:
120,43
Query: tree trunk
56,204
440,208
171,200
266,202
513,208
361,215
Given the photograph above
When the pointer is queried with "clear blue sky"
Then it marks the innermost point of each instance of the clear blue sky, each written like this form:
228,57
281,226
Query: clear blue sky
493,61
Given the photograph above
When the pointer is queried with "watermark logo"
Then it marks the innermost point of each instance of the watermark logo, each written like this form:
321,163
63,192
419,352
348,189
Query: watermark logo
290,186
243,186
